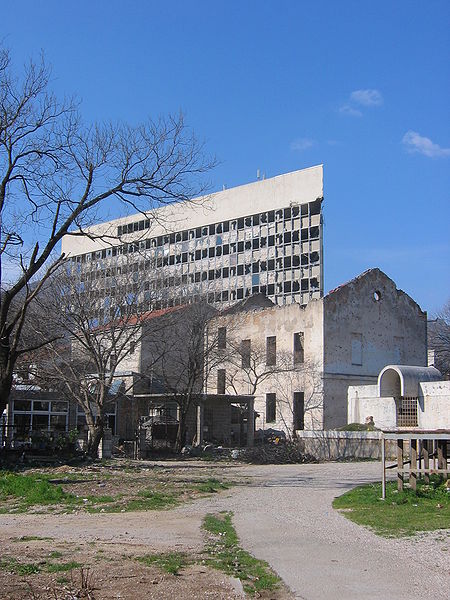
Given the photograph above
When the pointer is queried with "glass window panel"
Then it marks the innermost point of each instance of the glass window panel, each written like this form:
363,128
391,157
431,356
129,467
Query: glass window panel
40,405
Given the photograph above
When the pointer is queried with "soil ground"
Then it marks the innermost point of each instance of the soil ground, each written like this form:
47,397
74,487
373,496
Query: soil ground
105,545
282,514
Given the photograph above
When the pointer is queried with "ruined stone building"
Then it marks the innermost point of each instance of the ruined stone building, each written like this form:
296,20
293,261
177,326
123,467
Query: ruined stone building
263,237
299,361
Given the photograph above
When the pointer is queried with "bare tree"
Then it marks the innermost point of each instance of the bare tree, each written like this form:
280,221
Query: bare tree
439,339
248,364
300,397
93,345
182,358
56,173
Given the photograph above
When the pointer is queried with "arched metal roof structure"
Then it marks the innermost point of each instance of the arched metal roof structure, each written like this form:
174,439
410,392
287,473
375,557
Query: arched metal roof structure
403,380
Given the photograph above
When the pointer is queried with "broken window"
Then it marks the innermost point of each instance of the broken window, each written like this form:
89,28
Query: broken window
271,351
222,338
299,349
271,407
298,410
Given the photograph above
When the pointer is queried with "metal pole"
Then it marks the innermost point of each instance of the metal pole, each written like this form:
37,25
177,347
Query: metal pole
383,462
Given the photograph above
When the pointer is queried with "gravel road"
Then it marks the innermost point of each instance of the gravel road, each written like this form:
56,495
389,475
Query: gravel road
285,517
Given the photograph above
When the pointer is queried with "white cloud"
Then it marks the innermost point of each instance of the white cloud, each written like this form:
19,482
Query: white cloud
414,142
302,144
367,97
349,111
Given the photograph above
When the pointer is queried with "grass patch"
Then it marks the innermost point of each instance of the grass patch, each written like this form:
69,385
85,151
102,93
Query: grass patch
171,562
14,566
223,553
401,513
357,427
61,567
145,500
150,500
31,490
211,486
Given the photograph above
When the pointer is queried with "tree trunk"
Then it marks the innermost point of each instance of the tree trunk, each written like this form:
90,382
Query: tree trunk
95,436
181,434
6,374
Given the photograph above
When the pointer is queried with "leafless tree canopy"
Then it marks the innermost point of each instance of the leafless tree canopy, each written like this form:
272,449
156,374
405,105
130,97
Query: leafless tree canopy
57,173
439,339
182,356
87,356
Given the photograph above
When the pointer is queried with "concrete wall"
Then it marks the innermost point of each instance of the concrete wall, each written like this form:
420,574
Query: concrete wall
363,401
338,445
434,404
368,323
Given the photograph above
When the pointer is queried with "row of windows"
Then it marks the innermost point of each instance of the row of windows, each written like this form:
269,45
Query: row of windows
101,315
288,237
271,264
298,406
313,208
271,348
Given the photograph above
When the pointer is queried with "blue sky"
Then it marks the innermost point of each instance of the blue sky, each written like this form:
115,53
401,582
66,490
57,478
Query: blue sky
362,87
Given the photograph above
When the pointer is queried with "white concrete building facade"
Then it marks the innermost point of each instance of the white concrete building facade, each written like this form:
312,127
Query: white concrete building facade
264,237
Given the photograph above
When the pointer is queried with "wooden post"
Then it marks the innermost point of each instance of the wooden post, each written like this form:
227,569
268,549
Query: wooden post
200,423
426,460
383,463
413,466
251,422
440,454
400,465
444,456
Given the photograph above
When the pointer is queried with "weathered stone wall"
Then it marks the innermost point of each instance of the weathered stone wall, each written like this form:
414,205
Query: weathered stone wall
368,324
338,445
281,322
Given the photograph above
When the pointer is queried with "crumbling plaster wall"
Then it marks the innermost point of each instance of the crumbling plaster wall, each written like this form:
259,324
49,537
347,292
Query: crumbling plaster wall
370,316
281,322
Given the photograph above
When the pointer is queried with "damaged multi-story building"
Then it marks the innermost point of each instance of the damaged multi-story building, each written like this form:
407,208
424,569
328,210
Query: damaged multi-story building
263,237
298,361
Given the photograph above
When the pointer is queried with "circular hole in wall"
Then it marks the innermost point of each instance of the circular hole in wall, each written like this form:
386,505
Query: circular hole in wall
377,296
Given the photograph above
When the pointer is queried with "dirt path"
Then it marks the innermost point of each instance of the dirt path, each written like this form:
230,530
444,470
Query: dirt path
285,517
288,521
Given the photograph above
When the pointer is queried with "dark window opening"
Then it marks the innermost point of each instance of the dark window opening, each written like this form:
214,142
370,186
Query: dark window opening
299,411
271,407
245,353
271,351
222,338
299,348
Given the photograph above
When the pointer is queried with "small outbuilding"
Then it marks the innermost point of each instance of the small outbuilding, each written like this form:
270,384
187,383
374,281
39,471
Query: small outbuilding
404,396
